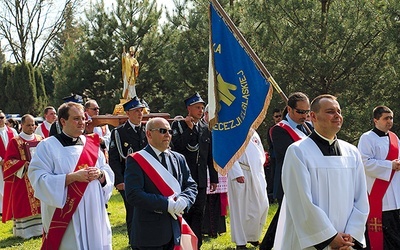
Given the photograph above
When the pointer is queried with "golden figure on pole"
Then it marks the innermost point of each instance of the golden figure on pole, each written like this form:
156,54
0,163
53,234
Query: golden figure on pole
130,71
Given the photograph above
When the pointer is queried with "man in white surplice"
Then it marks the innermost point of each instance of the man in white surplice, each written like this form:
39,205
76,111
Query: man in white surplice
51,172
325,204
247,194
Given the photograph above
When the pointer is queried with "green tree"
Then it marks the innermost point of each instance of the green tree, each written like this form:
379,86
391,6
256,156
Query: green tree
42,100
336,47
6,76
21,90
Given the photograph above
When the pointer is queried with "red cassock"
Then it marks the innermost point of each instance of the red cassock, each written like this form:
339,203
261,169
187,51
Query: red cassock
19,201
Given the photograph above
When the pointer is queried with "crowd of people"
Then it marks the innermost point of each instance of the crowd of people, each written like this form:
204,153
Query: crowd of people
57,178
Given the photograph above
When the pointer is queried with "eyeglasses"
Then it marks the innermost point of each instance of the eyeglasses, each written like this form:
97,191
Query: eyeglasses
95,108
302,111
2,117
277,116
162,130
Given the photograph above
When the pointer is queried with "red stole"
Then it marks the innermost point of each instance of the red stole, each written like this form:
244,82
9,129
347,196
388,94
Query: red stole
289,129
10,135
45,131
62,217
188,238
374,223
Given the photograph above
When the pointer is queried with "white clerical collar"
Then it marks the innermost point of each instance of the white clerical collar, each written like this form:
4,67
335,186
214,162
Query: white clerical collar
27,137
47,124
326,139
74,139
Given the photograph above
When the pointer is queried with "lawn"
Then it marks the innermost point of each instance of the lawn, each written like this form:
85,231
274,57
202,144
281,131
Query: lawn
120,239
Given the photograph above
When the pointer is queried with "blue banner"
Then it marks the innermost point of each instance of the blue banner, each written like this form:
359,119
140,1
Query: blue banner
241,94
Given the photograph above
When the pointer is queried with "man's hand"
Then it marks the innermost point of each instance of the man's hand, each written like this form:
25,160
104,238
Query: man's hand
240,179
180,205
213,187
396,165
189,121
171,207
342,241
120,186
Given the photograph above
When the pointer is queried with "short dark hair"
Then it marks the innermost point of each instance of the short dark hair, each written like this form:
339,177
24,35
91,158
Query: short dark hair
46,109
63,110
276,110
88,103
315,103
296,97
380,110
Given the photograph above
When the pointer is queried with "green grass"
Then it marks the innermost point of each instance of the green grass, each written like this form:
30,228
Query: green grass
120,239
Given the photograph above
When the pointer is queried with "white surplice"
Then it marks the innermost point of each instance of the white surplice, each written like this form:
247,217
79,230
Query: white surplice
324,195
374,150
248,201
90,227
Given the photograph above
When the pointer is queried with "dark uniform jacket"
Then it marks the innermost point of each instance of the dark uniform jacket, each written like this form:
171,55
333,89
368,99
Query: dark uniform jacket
195,145
128,141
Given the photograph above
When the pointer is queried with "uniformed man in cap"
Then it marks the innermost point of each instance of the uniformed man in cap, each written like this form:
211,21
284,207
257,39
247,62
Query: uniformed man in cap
192,138
126,139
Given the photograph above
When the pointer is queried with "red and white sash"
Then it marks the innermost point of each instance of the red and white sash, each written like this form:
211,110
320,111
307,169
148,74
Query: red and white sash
168,186
289,129
45,131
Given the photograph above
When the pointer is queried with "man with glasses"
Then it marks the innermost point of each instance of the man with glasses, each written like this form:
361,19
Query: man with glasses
6,134
126,139
50,116
192,139
93,109
159,185
292,128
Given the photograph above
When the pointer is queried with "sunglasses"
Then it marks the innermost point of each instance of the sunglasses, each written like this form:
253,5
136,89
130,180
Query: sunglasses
277,116
2,117
94,108
162,130
302,111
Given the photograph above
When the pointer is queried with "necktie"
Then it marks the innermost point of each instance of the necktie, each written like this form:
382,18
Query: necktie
302,129
163,161
195,129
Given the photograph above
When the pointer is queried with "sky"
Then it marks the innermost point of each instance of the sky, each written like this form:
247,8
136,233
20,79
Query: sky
168,3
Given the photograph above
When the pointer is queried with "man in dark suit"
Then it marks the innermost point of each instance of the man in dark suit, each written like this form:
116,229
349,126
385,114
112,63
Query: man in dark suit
126,139
155,224
292,128
192,138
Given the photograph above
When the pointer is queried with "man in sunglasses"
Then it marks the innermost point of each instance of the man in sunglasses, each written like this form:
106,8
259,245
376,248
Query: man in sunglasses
93,109
191,138
159,185
126,139
292,128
